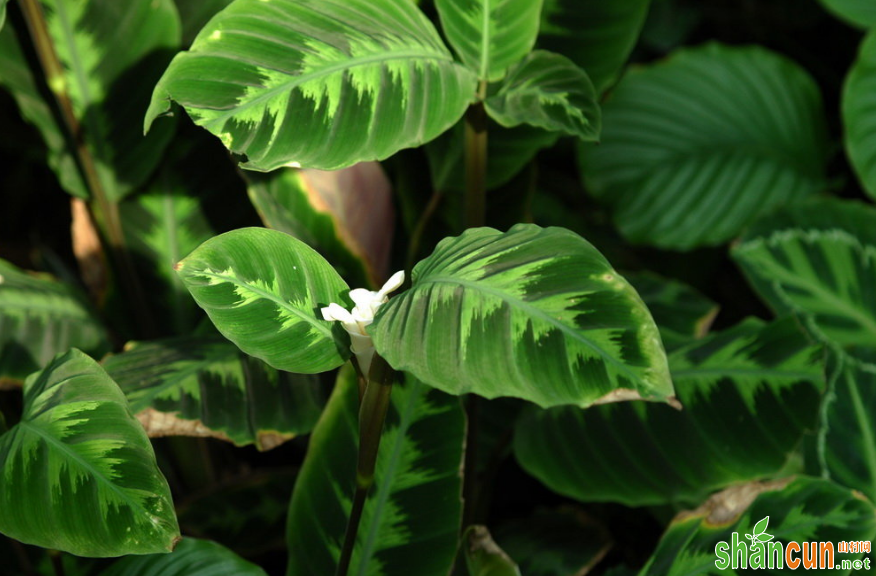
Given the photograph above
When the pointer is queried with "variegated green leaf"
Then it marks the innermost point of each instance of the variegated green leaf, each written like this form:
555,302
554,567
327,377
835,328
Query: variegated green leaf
697,146
263,290
800,510
191,558
112,54
749,394
534,313
827,277
203,386
321,83
596,35
490,35
548,91
860,13
859,112
345,215
483,557
410,521
40,318
78,473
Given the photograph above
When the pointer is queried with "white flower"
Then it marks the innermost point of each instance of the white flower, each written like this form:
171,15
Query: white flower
356,321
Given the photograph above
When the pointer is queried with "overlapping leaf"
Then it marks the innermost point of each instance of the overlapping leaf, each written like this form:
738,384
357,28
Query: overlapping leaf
490,36
111,54
483,557
411,518
78,473
749,394
799,510
534,313
860,13
191,558
263,290
695,147
202,386
346,215
597,35
548,91
859,113
195,14
40,318
321,83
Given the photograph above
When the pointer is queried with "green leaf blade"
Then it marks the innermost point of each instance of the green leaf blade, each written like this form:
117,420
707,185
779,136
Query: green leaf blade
78,473
859,13
359,78
192,557
859,114
533,313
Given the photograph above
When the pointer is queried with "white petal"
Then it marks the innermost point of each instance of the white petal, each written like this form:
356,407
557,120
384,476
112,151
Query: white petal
362,297
393,283
336,312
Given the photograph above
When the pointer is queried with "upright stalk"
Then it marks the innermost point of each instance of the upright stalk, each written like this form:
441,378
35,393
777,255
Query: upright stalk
107,211
372,414
476,161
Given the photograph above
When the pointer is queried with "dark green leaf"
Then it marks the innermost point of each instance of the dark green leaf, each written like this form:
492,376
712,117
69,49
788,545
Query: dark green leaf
548,91
749,394
202,386
191,558
411,518
263,290
78,473
483,557
697,146
320,83
860,13
859,113
195,14
534,313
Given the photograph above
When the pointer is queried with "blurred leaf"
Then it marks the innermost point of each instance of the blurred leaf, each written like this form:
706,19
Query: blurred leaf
670,24
860,13
490,36
749,394
361,78
554,543
190,558
78,473
203,386
859,113
596,35
682,314
547,90
88,250
800,510
346,215
111,53
3,12
195,14
827,277
40,318
263,290
534,313
824,214
696,147
484,557
411,518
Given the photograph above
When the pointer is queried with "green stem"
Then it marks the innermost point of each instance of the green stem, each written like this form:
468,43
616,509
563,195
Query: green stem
107,211
372,414
420,230
476,161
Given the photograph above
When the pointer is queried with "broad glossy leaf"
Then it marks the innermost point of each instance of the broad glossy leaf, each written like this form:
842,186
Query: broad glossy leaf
846,444
191,557
697,146
860,13
78,473
112,54
597,35
824,214
321,83
548,91
800,510
828,277
490,35
40,318
859,113
554,543
533,313
682,314
263,290
749,395
411,518
345,215
483,557
203,386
